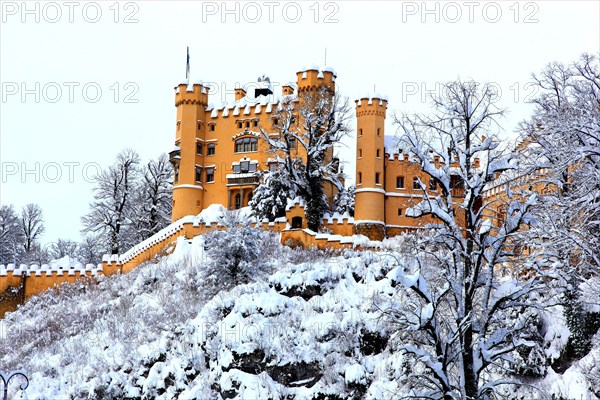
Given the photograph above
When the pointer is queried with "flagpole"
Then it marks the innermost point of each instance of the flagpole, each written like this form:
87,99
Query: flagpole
187,66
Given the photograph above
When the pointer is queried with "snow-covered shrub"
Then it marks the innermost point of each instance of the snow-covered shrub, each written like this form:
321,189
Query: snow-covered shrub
344,201
235,255
270,197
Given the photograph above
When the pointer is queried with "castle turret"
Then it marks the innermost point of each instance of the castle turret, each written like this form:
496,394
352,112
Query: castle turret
369,213
187,157
311,78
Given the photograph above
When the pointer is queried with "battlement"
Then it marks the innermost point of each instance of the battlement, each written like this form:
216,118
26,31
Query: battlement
371,104
195,93
52,269
313,77
243,108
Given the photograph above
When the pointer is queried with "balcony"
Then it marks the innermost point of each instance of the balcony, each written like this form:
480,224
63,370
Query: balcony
175,155
251,178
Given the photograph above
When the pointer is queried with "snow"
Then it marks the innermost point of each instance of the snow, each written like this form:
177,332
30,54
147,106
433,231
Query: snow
154,333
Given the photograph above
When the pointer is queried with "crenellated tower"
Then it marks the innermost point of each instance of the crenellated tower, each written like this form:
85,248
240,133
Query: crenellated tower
312,78
369,212
191,102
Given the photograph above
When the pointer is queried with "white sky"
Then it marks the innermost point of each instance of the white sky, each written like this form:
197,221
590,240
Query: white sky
394,45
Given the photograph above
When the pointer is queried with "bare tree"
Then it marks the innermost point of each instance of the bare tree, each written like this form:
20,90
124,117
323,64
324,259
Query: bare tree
563,150
314,121
32,226
112,212
62,248
453,318
89,250
155,197
11,236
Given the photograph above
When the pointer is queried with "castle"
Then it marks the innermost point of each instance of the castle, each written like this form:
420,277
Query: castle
220,155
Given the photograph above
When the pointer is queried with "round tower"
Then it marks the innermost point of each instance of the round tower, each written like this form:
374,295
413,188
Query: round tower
187,159
311,78
369,212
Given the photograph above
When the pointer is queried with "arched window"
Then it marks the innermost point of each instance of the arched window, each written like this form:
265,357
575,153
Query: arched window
238,201
244,145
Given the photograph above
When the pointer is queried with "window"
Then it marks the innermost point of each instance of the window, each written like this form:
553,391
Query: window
239,125
377,178
210,150
399,182
273,167
246,144
399,212
378,153
296,222
360,153
199,126
177,174
252,167
244,166
248,124
416,184
198,174
212,128
275,121
199,148
360,177
360,132
255,123
238,201
293,143
236,168
432,185
378,131
210,175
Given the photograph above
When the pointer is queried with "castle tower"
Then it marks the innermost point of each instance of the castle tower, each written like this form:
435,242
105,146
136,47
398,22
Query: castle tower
369,213
187,157
312,78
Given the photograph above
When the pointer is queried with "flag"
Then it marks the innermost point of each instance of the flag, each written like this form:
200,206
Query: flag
187,66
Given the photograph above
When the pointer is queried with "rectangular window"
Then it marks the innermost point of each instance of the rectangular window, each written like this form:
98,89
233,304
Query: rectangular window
177,174
236,168
416,184
198,174
377,178
248,124
360,153
378,153
210,149
399,212
432,185
212,128
210,175
252,168
399,182
255,123
239,125
244,166
199,148
360,177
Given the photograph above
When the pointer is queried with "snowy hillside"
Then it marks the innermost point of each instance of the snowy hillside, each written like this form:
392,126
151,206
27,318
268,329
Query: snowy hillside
309,326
